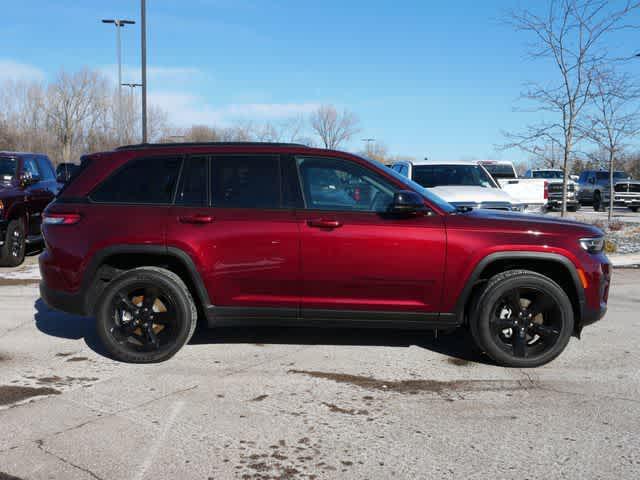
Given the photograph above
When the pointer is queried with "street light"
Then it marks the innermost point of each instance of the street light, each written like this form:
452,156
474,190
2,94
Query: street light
132,87
143,58
118,22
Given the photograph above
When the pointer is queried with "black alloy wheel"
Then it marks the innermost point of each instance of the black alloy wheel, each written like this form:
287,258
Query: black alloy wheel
13,251
145,315
522,319
597,202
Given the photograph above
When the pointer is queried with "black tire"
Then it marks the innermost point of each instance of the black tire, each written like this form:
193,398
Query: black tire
597,202
634,209
545,335
15,244
573,209
120,323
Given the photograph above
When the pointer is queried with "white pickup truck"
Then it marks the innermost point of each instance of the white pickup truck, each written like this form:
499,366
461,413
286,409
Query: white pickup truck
533,192
555,178
463,184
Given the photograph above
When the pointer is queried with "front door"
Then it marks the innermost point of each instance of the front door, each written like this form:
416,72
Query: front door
356,257
241,235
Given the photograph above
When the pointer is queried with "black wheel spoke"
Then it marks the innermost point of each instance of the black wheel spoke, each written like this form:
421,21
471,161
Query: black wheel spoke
541,304
162,318
519,340
545,330
513,300
150,297
126,301
150,336
503,323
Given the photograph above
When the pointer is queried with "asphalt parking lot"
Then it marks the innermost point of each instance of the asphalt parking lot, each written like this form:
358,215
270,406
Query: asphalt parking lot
311,403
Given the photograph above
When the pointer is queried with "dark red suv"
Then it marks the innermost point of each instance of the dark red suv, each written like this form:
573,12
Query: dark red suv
150,238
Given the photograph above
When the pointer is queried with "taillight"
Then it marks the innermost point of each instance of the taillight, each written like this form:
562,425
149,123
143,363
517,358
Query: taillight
546,190
61,218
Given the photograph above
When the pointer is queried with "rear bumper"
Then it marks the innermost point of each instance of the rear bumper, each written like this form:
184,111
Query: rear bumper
63,301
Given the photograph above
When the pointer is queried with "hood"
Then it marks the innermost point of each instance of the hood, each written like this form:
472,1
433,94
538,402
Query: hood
472,194
537,223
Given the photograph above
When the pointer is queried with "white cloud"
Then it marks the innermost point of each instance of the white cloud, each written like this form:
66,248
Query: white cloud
186,109
12,70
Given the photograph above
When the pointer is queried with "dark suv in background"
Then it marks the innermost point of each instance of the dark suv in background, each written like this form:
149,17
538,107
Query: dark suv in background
150,238
27,185
593,189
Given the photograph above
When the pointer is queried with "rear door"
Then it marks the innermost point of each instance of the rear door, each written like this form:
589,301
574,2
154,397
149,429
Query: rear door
356,259
230,216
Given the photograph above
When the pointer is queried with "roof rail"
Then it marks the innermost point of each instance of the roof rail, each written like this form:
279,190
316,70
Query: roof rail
141,146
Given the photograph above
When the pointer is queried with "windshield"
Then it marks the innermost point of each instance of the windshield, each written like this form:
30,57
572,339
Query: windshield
621,176
547,174
431,197
8,167
430,176
500,170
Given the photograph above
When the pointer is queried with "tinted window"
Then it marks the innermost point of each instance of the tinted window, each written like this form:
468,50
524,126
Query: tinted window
602,175
498,170
552,174
239,181
31,167
46,170
8,168
147,180
334,184
193,188
430,176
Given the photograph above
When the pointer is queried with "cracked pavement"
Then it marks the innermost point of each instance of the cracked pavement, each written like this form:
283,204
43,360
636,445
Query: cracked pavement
311,403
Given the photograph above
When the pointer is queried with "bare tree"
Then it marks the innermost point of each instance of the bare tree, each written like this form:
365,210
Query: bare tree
333,128
613,120
570,33
377,151
72,107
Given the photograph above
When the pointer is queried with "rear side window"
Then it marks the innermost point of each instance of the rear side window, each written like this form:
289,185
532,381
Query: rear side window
143,181
193,186
8,167
245,181
602,175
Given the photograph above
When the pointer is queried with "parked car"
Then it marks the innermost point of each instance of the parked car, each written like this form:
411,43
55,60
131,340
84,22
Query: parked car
27,185
64,171
149,238
462,184
594,189
555,178
530,191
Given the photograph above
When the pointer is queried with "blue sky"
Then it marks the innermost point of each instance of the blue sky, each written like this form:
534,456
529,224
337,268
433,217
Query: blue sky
436,79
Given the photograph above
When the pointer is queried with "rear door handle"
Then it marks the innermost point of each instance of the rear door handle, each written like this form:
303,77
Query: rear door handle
196,219
323,223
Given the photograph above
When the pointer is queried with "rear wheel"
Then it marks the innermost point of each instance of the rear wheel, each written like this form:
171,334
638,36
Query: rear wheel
522,319
15,244
597,202
145,315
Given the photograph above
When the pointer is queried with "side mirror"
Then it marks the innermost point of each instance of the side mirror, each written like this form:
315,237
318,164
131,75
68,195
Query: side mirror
407,202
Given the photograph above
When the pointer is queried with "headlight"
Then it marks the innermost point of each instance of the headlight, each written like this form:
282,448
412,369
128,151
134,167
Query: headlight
592,245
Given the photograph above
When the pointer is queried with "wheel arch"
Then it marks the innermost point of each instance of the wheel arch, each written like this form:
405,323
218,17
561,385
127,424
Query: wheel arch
107,263
555,266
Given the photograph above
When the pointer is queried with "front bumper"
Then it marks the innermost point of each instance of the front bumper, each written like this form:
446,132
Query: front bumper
557,202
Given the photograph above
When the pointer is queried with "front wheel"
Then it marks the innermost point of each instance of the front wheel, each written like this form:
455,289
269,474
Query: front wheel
145,315
634,209
13,250
522,319
597,202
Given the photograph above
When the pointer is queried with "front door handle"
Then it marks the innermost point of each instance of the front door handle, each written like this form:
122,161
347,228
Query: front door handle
196,219
324,223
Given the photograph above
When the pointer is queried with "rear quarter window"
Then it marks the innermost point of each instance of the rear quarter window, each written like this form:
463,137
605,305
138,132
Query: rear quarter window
140,181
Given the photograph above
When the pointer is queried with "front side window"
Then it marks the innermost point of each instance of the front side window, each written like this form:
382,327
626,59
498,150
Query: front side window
193,186
245,181
8,167
548,174
141,181
430,176
334,184
602,176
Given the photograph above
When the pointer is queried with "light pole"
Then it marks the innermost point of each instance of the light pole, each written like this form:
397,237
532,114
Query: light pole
119,23
143,56
367,143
